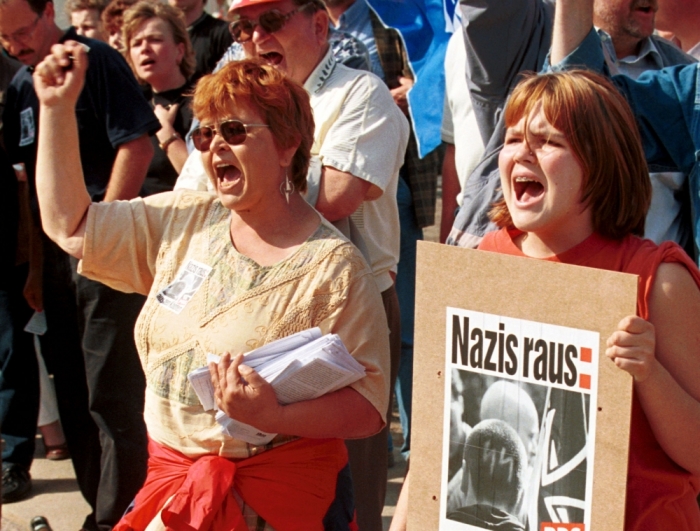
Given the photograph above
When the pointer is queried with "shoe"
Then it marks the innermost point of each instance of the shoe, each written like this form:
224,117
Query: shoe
16,483
39,523
58,452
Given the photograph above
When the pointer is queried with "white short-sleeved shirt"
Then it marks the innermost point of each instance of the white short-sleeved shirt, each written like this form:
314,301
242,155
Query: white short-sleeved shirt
361,131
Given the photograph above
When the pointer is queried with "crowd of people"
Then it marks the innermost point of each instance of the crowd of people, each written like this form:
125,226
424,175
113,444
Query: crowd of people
271,157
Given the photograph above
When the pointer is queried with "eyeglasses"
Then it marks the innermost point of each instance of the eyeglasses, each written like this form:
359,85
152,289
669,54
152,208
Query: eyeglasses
234,132
271,21
22,34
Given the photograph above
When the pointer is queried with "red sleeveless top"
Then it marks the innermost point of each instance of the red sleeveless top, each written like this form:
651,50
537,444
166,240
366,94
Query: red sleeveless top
660,494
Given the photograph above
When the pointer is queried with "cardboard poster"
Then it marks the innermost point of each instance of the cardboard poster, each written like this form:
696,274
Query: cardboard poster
520,422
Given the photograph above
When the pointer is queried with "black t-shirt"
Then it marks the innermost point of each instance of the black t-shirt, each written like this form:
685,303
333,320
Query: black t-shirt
111,111
161,175
9,218
210,39
9,207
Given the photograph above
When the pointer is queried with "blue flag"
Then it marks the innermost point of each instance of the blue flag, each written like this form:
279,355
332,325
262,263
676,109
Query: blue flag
425,26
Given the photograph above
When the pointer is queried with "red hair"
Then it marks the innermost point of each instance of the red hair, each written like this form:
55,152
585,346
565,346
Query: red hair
600,128
283,104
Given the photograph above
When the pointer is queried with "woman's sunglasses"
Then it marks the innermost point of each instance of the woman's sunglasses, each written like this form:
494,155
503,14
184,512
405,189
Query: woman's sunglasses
271,21
234,132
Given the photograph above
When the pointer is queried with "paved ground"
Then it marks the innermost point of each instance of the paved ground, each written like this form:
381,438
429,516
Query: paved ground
55,495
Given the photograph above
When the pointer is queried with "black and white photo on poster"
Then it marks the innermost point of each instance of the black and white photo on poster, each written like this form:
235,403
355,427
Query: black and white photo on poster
519,424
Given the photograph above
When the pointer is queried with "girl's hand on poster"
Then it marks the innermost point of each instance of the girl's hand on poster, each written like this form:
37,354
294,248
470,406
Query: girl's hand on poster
632,347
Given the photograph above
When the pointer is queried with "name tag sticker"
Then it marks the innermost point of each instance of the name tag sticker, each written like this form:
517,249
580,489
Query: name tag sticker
187,282
27,129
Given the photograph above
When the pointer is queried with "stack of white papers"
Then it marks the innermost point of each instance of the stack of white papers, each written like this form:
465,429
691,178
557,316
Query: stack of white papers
299,367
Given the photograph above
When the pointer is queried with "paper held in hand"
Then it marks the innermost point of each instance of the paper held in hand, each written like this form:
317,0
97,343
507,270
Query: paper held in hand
299,367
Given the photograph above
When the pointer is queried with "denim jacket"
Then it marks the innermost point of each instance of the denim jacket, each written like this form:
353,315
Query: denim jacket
666,104
494,66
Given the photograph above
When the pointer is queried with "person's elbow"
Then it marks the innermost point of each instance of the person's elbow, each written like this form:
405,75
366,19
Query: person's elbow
371,421
375,423
69,239
73,246
338,209
341,193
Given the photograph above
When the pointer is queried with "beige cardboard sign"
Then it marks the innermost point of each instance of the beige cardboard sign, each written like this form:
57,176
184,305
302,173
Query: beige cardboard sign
518,416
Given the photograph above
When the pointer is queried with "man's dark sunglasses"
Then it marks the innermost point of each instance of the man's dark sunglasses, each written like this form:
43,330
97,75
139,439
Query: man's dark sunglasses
271,21
234,132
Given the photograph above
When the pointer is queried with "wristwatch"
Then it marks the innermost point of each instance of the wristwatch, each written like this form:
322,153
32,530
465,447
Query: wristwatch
172,138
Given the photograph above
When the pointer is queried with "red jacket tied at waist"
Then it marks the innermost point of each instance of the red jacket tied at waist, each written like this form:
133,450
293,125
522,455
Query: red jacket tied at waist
290,486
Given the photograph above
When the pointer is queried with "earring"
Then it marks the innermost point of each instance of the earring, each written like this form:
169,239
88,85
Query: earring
287,187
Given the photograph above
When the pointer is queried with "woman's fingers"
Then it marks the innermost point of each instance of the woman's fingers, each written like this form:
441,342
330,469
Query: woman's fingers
632,347
217,372
252,378
50,71
233,377
172,111
59,77
631,366
634,325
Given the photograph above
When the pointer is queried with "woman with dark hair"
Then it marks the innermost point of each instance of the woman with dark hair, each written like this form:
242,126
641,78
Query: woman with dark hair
158,49
269,266
576,190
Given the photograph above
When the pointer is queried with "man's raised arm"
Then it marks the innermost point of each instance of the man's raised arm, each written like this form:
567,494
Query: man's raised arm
573,20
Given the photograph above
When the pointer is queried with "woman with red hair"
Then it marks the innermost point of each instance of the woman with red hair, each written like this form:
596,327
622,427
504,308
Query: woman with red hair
226,273
576,190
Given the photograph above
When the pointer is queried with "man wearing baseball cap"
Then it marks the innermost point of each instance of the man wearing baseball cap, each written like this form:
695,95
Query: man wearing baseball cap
359,145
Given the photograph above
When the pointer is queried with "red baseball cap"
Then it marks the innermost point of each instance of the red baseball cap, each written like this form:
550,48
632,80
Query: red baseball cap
237,4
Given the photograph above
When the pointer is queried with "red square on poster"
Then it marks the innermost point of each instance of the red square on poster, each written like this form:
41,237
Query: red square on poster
586,354
584,381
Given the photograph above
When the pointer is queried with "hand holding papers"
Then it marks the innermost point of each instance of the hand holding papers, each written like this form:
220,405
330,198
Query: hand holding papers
300,367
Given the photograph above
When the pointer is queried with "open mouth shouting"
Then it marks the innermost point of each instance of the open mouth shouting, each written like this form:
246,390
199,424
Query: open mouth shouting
272,58
527,190
227,175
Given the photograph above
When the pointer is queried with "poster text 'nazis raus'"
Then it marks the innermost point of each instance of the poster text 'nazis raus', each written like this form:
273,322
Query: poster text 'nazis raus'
513,353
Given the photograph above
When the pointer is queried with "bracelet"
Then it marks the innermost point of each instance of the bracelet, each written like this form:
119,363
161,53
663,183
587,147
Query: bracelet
168,141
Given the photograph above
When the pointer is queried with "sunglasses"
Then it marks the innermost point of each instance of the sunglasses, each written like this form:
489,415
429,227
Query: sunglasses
234,132
270,21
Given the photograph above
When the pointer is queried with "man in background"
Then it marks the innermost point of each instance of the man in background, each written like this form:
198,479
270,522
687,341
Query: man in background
417,186
19,373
